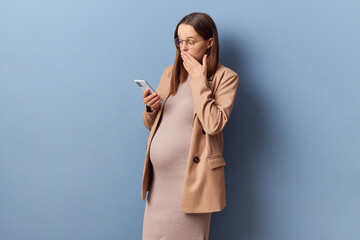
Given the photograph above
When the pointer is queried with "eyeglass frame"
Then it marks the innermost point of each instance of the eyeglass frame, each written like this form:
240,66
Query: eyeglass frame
186,42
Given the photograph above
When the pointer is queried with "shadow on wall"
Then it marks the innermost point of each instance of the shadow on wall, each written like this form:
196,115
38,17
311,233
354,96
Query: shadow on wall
244,139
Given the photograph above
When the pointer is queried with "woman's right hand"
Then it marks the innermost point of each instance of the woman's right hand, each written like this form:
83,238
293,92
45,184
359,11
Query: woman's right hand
151,100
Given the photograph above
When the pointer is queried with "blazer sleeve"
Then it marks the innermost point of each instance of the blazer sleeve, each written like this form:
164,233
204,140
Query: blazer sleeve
148,115
214,112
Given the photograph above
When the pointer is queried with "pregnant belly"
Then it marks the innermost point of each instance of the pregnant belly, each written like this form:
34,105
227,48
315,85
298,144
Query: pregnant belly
170,146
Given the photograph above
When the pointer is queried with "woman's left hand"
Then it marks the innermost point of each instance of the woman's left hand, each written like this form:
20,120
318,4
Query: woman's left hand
192,66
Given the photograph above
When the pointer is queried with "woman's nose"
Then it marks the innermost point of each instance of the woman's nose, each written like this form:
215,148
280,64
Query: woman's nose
183,47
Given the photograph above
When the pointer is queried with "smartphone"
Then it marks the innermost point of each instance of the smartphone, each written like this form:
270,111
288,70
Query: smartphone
143,84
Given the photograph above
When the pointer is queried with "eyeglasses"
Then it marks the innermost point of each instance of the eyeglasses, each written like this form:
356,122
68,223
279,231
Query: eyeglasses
190,44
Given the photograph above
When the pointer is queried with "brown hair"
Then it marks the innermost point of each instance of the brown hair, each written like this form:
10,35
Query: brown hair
206,28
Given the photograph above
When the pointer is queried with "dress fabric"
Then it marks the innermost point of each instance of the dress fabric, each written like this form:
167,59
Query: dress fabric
169,151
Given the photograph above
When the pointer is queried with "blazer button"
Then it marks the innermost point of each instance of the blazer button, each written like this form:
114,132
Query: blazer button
196,160
203,132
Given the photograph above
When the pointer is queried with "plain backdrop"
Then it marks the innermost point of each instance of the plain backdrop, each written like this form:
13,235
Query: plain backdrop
72,140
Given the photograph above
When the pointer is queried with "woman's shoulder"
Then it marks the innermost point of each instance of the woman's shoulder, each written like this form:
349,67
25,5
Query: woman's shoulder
224,70
168,69
166,76
223,73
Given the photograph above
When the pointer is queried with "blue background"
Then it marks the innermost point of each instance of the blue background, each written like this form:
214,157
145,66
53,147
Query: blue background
72,140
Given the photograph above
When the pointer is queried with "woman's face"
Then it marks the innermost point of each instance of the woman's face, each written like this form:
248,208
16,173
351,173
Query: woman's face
187,32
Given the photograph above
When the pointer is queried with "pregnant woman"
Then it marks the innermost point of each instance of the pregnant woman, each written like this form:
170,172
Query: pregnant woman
184,165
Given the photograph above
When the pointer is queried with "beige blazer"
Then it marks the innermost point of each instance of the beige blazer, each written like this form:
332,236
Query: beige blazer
204,183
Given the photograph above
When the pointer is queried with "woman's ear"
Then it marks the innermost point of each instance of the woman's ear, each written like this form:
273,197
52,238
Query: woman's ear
210,42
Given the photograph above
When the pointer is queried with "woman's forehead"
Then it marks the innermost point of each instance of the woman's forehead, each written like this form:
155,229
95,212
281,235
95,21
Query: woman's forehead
187,31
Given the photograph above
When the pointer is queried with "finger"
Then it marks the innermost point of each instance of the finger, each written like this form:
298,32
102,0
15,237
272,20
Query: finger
186,65
146,92
188,61
184,61
205,63
152,101
204,59
156,104
192,62
189,57
149,98
184,58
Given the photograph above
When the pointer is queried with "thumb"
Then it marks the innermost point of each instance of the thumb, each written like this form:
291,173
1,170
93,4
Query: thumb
205,63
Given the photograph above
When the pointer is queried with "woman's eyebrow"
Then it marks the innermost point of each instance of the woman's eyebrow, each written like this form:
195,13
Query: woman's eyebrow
187,37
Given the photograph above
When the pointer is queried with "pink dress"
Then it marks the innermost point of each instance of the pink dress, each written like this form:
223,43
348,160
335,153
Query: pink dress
169,151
